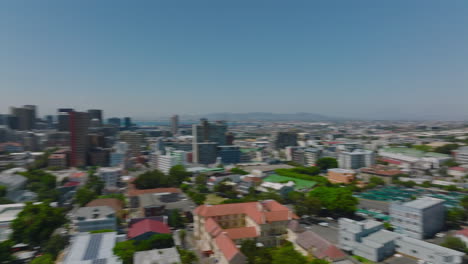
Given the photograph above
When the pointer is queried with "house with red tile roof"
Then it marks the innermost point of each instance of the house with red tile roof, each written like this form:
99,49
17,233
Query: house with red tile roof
318,246
146,228
220,228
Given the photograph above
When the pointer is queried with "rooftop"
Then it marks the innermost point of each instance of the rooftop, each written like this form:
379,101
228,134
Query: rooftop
95,212
113,203
160,256
322,247
92,249
424,202
146,226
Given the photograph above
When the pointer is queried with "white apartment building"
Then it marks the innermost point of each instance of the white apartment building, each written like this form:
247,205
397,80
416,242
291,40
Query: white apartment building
356,159
461,155
110,176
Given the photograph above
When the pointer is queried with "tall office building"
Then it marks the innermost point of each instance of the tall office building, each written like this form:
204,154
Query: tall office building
127,122
174,124
134,141
206,137
95,114
283,139
79,124
26,117
210,132
63,119
115,121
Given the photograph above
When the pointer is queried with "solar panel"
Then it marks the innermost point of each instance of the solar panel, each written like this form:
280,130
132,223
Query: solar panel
99,261
93,247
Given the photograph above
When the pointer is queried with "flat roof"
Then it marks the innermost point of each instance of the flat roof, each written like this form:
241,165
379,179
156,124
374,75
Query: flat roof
92,249
424,202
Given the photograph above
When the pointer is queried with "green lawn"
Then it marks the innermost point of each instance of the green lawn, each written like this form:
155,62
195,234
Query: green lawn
363,260
214,199
300,184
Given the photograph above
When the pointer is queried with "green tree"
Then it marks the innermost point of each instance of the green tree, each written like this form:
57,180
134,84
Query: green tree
454,217
201,179
464,204
236,170
6,255
175,220
249,248
198,198
187,256
36,223
44,259
125,250
309,206
319,261
55,244
177,174
376,180
151,179
424,148
327,163
455,243
388,226
450,163
337,201
182,236
446,149
84,196
287,254
3,191
42,183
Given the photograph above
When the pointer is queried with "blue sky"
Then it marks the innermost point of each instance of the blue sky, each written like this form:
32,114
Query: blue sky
360,59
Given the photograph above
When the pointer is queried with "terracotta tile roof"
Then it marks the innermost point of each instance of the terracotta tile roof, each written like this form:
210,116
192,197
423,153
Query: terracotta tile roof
227,247
113,203
241,232
458,169
463,232
71,183
259,212
270,211
319,247
146,226
212,227
252,179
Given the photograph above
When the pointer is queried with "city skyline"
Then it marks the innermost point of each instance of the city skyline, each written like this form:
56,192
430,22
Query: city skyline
359,60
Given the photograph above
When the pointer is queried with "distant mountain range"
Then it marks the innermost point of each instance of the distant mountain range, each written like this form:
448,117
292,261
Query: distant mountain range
262,116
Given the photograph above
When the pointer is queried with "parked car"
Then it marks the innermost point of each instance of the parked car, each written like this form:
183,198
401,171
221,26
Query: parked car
323,224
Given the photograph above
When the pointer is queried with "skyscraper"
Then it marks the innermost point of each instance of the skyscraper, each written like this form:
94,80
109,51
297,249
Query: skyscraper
115,121
63,119
134,140
174,124
26,116
79,124
95,114
127,122
206,137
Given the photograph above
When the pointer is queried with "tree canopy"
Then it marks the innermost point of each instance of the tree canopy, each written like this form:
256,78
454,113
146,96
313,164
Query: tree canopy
42,183
151,179
327,163
126,249
36,223
177,174
337,201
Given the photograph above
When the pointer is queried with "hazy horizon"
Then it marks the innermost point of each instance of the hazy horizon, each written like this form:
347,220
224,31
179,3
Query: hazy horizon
362,59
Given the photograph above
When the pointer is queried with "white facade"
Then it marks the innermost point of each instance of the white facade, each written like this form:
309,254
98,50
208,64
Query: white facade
356,159
110,176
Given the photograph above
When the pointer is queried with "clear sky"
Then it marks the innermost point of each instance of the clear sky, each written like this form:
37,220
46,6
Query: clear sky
359,58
